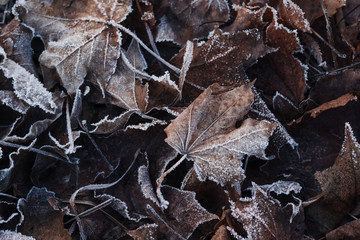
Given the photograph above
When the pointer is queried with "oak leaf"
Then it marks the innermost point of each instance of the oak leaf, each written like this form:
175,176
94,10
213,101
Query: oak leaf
206,133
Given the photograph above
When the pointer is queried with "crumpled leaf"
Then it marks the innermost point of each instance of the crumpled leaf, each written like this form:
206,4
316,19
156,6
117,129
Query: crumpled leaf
263,217
41,220
206,133
339,185
26,86
78,39
186,20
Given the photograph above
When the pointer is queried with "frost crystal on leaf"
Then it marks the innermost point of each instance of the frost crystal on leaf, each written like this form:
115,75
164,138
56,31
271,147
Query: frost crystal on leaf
205,133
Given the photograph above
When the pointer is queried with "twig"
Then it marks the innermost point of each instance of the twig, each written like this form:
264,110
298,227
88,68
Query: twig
32,149
163,61
328,44
148,31
329,31
103,157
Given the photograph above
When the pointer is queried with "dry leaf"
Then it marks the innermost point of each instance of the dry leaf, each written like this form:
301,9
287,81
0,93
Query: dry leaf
349,231
41,220
339,102
263,217
339,185
186,20
9,235
206,133
78,39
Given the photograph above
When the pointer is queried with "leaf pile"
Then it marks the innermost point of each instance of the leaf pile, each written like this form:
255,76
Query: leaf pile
203,119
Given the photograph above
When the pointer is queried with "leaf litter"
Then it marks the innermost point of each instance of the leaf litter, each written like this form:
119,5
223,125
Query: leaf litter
102,102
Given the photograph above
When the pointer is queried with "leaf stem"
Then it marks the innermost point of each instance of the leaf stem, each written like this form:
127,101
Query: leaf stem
161,179
31,149
124,29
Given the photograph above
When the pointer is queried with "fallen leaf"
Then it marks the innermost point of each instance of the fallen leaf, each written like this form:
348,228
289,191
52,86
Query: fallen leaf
339,102
314,10
187,20
41,220
78,38
206,133
228,54
348,231
338,184
9,235
263,217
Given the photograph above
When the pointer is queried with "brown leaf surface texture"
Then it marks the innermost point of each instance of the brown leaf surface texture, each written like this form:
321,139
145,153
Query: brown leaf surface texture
339,184
78,39
205,132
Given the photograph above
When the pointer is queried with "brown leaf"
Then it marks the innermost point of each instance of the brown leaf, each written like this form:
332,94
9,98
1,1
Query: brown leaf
40,218
78,39
333,86
338,184
206,133
313,9
221,234
227,55
16,38
263,217
339,102
349,231
289,69
186,20
144,232
293,15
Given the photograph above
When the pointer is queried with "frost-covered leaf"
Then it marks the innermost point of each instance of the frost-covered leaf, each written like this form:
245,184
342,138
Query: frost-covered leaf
188,19
145,232
184,213
79,41
206,133
27,87
226,54
9,235
339,184
314,10
293,15
291,71
127,91
263,217
10,99
16,38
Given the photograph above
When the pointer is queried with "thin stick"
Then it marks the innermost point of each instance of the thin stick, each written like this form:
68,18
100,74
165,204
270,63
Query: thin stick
32,149
127,31
328,44
168,171
329,31
148,31
103,157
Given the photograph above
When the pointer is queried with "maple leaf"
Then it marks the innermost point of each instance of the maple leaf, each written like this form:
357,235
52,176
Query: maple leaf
263,217
339,184
206,133
78,37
